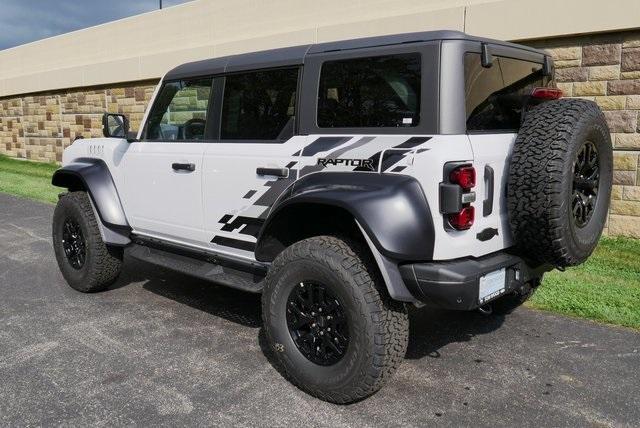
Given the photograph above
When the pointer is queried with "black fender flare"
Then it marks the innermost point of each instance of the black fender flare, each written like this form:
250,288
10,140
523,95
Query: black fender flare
391,208
97,181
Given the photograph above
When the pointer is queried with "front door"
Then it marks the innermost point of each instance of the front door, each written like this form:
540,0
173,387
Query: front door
163,171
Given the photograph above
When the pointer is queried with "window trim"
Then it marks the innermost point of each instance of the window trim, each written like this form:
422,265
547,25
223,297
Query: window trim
207,124
218,110
429,89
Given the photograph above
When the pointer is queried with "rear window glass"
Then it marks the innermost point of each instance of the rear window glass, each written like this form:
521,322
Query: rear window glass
373,92
496,96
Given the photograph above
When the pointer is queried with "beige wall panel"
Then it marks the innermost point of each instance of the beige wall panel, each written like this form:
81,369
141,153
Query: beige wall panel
524,19
158,64
199,29
273,41
123,70
62,78
449,19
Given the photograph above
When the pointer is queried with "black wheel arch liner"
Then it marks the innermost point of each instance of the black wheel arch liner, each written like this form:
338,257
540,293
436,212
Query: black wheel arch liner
391,208
97,181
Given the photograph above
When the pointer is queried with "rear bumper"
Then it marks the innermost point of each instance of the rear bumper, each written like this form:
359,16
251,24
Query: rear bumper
455,284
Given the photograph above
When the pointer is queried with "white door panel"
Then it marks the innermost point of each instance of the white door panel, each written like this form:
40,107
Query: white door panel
162,201
236,199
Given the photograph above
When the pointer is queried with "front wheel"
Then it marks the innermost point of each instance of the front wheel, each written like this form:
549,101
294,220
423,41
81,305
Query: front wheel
334,330
86,262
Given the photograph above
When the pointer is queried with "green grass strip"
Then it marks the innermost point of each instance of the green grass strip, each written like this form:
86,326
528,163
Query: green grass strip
28,179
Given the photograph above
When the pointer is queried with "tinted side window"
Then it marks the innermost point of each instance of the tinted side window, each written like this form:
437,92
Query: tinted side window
381,91
259,105
180,111
495,96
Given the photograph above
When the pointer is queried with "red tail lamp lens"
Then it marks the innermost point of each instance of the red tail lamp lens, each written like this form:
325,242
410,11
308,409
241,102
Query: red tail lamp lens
464,176
546,93
462,220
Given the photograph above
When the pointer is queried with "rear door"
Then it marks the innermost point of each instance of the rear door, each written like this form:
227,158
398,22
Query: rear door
254,158
495,98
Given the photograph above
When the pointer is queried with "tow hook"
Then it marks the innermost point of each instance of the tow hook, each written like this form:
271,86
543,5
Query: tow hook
486,309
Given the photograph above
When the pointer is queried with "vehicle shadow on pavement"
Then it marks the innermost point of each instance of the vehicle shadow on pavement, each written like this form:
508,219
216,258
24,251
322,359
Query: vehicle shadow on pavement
233,305
430,329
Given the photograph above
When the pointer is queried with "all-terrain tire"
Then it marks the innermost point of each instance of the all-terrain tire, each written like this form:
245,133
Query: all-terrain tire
541,184
102,263
378,326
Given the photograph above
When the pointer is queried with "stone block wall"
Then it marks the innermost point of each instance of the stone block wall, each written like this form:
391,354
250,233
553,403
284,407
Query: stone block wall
39,127
605,68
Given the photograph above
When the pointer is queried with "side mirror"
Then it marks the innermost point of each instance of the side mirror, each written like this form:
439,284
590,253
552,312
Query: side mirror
115,125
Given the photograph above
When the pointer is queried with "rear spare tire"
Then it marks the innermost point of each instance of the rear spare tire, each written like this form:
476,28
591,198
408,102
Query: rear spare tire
559,182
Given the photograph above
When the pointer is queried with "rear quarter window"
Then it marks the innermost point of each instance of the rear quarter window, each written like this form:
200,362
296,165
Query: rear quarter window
495,97
370,92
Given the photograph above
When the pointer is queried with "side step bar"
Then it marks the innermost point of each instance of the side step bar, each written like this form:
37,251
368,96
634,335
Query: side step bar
210,266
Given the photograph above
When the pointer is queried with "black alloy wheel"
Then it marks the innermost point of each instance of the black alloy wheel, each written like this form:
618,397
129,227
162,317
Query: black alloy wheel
586,177
317,323
334,330
73,243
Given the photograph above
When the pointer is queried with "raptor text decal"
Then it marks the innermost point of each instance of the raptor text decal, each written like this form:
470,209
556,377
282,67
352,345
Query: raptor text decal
360,163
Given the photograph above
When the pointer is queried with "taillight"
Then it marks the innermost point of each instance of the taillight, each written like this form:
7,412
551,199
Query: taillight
463,220
464,176
456,197
546,93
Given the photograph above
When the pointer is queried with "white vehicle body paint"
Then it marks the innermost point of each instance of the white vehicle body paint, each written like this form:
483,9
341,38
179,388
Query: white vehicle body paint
225,201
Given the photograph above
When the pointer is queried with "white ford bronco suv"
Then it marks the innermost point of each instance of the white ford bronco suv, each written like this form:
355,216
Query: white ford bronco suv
345,181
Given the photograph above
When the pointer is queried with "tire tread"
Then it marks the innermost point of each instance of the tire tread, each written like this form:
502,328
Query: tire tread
389,318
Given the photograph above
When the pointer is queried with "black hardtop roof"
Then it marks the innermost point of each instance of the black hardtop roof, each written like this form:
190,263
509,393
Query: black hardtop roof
295,55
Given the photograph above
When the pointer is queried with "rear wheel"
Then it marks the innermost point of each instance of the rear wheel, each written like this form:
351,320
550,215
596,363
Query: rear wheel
335,331
86,262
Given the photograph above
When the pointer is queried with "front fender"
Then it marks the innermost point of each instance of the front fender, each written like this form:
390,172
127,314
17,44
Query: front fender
392,209
97,181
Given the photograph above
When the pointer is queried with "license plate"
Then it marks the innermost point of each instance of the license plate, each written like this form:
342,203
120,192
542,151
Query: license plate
492,285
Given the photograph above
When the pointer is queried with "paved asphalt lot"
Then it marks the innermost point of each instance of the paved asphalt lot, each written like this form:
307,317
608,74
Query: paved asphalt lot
160,348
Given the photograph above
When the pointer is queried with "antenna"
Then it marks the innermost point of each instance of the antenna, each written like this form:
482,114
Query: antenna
160,4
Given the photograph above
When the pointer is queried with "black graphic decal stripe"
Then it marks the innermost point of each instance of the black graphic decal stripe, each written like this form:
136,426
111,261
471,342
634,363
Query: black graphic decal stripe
412,142
251,225
234,243
316,168
249,194
391,158
323,144
276,187
225,218
408,144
